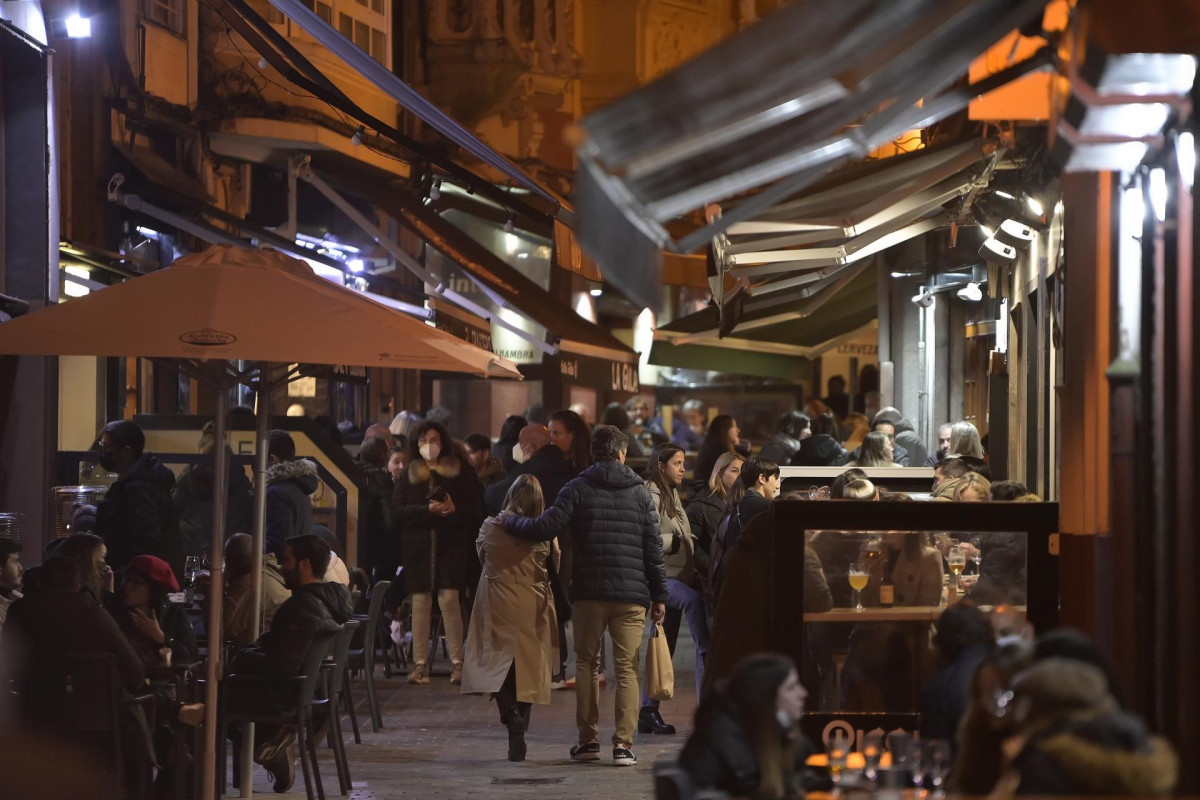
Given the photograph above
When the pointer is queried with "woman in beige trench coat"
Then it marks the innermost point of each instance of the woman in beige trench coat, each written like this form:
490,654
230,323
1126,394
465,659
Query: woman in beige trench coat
512,642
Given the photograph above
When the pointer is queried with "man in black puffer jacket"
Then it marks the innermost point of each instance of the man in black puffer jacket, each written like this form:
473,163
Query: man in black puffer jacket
618,573
315,605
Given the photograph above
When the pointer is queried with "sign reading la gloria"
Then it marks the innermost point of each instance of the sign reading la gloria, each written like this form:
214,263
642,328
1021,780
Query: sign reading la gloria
624,377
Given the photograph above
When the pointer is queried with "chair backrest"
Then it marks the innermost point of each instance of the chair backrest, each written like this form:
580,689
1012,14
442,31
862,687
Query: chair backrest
341,651
82,693
374,611
320,649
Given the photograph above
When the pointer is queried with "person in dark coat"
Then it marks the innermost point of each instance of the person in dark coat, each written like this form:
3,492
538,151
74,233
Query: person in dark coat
794,427
963,640
907,440
290,481
616,415
761,481
315,605
1074,739
510,430
488,468
535,455
706,510
58,619
378,532
194,494
823,448
162,636
747,739
618,574
438,502
137,514
723,437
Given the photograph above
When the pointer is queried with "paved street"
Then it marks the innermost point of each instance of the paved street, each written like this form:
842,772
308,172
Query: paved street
437,743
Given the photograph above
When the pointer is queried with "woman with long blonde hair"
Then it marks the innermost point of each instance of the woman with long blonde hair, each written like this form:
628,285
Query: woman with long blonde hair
964,440
512,642
704,512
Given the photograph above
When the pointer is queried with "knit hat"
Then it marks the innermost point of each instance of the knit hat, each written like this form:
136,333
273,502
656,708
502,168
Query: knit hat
155,570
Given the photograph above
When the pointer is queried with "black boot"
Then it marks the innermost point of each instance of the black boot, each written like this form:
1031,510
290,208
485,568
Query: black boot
517,723
650,721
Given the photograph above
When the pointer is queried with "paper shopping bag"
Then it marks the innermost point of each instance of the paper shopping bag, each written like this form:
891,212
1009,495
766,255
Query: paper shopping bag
660,675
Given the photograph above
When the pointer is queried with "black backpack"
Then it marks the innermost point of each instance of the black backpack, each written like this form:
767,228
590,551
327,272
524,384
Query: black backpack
723,541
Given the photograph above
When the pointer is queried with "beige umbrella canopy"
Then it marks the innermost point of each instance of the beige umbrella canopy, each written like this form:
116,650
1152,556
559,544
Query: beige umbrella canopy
249,305
253,305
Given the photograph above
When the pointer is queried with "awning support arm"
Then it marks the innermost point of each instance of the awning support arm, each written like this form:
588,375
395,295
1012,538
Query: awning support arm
305,173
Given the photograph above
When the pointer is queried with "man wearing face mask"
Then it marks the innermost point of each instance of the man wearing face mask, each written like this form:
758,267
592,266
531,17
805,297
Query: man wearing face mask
136,516
533,456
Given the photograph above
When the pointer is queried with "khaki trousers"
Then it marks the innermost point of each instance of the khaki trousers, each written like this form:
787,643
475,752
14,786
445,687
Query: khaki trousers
625,623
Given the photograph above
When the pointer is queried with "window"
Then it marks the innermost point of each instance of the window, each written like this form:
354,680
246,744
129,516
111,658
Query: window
365,23
346,26
168,13
325,12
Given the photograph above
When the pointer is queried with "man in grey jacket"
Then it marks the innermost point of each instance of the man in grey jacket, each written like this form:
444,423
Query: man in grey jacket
618,573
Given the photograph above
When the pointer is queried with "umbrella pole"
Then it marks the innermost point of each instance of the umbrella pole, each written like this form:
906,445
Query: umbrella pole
263,420
216,596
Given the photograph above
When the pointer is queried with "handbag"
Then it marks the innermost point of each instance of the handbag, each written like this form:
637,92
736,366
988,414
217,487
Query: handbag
562,603
660,674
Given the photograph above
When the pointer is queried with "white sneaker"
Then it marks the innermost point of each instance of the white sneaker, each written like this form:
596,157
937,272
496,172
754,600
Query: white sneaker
623,756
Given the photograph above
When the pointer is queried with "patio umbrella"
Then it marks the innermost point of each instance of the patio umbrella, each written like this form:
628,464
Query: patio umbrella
255,306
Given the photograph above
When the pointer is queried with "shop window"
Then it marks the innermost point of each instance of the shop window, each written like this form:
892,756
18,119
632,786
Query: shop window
167,13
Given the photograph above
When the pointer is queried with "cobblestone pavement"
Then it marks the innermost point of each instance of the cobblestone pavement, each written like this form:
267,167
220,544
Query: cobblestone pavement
437,743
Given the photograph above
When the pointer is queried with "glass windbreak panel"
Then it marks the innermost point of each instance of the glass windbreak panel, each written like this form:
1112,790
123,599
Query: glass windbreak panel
872,601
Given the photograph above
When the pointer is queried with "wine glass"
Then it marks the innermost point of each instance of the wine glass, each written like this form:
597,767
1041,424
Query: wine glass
917,764
858,581
957,561
977,555
937,758
872,749
191,566
837,751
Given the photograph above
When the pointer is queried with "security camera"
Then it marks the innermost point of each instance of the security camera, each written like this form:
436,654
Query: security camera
923,299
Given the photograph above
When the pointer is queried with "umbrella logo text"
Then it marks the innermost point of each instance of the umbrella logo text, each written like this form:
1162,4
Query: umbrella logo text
207,337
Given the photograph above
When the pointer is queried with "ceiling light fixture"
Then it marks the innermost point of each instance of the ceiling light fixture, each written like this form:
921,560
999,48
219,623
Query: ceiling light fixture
971,293
1015,234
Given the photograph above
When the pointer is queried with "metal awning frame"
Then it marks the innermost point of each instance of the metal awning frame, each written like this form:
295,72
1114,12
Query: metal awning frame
775,348
305,173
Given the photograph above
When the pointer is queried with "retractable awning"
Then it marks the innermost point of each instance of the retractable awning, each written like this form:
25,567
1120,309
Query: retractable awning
507,283
773,109
772,339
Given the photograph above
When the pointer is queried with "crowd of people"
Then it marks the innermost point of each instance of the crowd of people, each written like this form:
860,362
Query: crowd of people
547,524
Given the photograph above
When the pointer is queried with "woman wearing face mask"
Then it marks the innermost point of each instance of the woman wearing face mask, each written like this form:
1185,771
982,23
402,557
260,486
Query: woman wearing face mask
747,740
679,556
439,505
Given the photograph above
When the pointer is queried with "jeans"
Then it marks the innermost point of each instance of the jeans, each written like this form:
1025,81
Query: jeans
690,603
624,623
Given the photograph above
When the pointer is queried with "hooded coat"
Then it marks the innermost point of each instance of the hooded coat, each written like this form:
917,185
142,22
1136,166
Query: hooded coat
1077,741
425,538
513,620
289,511
137,516
821,450
378,531
779,449
193,506
614,532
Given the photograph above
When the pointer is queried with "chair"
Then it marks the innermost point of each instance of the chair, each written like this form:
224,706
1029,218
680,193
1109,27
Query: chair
299,715
364,658
188,680
84,695
671,782
338,692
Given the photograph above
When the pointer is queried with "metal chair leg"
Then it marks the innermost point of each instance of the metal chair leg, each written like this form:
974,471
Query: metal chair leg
372,697
308,761
348,698
339,760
